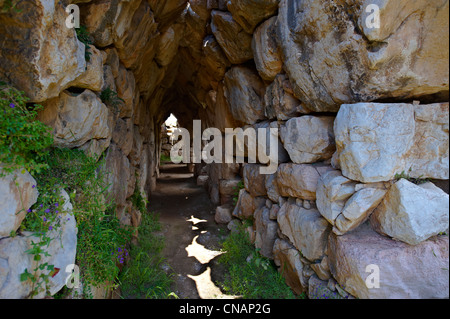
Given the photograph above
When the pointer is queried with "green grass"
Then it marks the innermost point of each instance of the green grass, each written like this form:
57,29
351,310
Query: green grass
166,159
143,277
252,278
100,239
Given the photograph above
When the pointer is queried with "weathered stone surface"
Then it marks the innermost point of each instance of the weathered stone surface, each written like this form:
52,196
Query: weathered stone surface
118,174
77,118
405,271
272,154
333,190
219,111
357,209
265,50
223,215
429,156
279,102
266,232
246,205
325,57
136,40
272,187
402,138
40,55
99,19
318,289
306,229
249,13
309,139
235,42
412,213
243,91
215,59
18,192
322,269
288,259
135,155
126,86
299,180
14,259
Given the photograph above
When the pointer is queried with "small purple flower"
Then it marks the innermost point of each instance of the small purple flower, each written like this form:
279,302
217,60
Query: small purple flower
42,205
47,210
45,219
50,227
56,204
29,210
68,219
33,186
57,211
12,105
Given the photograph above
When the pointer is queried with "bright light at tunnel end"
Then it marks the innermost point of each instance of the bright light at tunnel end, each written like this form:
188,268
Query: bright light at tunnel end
256,145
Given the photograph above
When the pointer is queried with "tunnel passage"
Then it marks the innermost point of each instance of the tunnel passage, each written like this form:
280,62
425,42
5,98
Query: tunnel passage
362,117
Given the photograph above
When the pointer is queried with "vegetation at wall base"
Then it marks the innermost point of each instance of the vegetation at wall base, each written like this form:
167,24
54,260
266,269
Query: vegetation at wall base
23,141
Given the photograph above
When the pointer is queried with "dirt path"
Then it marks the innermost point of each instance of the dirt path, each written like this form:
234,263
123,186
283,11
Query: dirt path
191,235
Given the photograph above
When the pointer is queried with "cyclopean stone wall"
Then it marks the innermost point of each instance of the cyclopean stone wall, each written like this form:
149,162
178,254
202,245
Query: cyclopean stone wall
354,105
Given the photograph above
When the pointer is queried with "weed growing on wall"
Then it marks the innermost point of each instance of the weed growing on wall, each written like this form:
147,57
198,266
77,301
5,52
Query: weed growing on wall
23,140
143,276
100,235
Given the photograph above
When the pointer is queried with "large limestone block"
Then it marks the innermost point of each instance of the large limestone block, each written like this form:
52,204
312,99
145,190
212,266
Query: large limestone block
133,43
358,209
249,13
168,45
376,141
126,87
77,118
61,253
405,271
243,91
279,102
18,192
93,77
265,50
299,180
266,232
412,213
333,56
40,55
333,190
288,259
305,228
235,42
272,187
118,172
247,205
123,135
215,59
309,139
